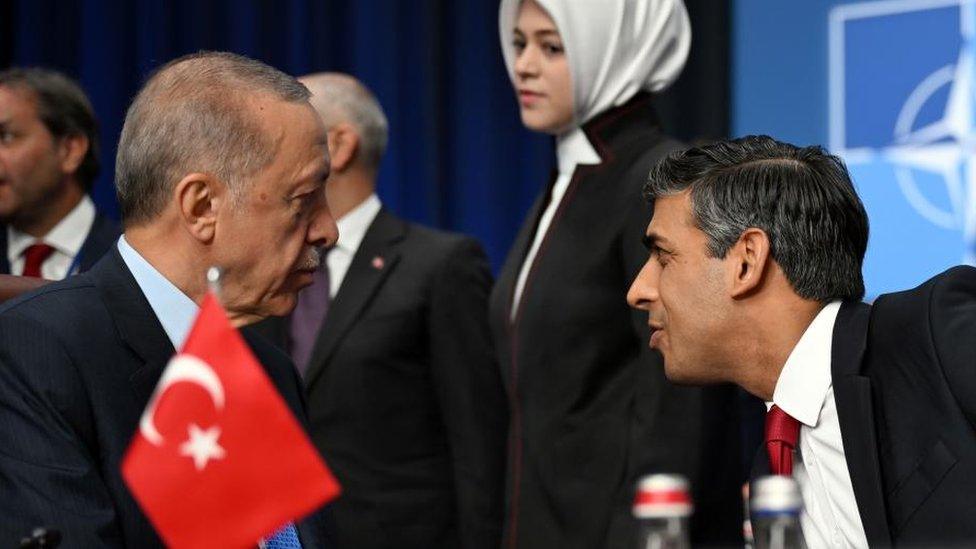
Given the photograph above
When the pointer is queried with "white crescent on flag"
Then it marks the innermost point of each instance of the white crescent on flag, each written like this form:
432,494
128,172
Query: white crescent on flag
186,368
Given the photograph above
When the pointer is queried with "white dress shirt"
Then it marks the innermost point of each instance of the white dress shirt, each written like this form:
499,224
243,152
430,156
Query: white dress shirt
572,148
352,230
805,391
66,238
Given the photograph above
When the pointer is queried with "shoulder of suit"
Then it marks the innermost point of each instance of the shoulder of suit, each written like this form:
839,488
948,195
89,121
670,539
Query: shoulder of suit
53,295
71,310
960,276
641,154
921,305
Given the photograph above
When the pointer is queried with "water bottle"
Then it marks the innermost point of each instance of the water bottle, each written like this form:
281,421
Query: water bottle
776,505
662,507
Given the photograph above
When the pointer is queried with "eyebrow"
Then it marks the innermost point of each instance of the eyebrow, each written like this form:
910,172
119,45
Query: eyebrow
653,240
539,33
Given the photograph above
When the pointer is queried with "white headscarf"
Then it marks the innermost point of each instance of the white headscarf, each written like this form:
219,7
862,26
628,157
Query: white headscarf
614,48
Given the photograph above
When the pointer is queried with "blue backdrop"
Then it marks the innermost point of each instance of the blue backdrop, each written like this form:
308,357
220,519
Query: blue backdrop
888,85
458,157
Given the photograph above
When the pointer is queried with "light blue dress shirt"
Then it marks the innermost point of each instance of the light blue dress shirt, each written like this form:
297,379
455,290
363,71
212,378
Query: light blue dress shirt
175,311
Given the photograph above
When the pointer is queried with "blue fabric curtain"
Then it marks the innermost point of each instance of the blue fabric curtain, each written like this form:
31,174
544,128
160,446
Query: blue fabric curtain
458,158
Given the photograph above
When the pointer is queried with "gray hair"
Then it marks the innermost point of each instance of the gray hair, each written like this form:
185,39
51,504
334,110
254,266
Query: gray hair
802,198
339,98
195,115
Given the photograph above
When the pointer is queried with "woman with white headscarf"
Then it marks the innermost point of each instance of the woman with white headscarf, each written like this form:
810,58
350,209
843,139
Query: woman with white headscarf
590,407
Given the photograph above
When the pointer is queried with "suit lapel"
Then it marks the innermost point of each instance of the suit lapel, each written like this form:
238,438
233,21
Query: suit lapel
275,330
520,248
362,280
135,322
852,394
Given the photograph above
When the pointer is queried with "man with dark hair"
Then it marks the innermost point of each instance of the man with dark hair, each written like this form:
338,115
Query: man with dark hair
404,399
48,163
222,162
754,277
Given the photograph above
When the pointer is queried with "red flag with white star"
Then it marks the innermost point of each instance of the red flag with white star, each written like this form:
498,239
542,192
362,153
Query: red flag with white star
219,459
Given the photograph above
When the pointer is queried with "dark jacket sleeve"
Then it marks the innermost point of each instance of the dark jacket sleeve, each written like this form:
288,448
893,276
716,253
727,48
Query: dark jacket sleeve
953,319
48,474
469,391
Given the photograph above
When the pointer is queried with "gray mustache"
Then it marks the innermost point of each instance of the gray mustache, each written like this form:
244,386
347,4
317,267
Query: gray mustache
312,260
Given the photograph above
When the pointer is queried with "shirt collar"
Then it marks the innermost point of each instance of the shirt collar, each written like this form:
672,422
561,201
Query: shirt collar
175,311
574,148
802,385
353,225
66,237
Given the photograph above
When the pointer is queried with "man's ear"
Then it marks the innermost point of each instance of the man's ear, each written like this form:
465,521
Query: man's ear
72,150
343,146
199,197
749,257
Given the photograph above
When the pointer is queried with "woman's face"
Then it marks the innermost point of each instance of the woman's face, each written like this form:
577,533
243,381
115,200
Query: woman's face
542,80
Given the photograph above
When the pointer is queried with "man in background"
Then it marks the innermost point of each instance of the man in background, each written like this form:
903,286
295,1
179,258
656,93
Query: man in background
221,162
754,277
392,341
48,162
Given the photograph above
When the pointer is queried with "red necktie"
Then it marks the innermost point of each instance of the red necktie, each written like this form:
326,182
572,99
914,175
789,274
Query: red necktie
34,256
782,434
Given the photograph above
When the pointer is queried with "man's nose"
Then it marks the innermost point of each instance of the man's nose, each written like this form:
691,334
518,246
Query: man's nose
643,290
323,232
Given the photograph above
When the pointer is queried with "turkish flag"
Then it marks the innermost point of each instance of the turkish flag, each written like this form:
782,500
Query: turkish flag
219,459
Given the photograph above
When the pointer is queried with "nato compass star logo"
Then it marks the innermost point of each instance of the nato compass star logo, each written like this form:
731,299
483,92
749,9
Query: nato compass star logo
903,116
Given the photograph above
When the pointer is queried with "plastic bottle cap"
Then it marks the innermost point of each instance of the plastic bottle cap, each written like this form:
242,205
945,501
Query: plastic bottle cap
662,496
776,494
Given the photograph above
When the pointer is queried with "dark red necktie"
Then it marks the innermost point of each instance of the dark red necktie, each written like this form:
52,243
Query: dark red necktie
34,256
782,434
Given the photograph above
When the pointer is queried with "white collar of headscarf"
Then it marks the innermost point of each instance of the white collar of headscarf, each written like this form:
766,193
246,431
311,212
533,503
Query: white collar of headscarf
615,48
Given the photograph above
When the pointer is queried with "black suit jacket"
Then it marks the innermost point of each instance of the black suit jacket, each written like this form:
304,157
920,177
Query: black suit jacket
102,235
591,408
907,410
904,378
404,398
79,360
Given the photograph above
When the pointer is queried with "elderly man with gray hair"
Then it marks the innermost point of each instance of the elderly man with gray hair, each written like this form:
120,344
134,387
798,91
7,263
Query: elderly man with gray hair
392,341
222,161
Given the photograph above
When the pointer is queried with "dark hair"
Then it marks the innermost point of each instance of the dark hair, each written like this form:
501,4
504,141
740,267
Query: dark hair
63,108
802,198
194,114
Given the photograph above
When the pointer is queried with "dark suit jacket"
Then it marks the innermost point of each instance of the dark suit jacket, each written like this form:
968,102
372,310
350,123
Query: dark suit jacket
79,360
591,408
904,374
904,378
404,398
102,235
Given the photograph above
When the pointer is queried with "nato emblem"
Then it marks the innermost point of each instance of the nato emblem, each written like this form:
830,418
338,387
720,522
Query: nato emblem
903,117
